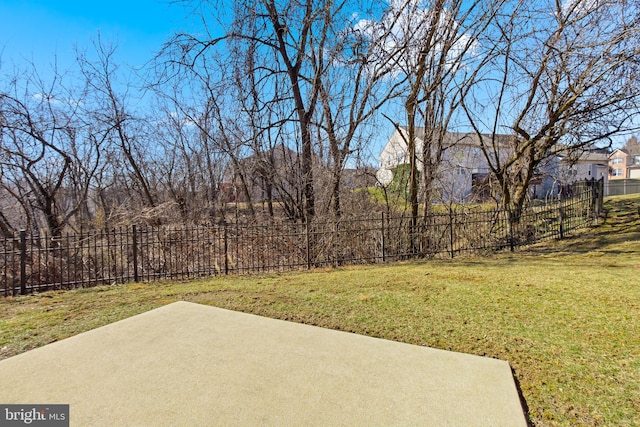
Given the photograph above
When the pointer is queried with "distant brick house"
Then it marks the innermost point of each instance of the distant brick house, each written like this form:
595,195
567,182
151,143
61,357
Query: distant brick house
624,164
275,175
358,178
269,175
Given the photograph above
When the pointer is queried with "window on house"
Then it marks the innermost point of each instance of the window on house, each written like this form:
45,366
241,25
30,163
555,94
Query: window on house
616,161
636,160
460,171
400,156
617,172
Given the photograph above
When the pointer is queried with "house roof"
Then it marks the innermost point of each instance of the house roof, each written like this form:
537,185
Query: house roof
586,157
594,157
264,162
621,150
463,138
504,141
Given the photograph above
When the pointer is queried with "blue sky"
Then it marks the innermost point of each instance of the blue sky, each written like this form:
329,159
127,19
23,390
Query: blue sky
46,29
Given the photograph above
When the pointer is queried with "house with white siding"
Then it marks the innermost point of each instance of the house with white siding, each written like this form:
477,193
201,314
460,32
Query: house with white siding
464,172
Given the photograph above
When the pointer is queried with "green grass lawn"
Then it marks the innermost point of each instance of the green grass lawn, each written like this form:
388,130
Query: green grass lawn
564,314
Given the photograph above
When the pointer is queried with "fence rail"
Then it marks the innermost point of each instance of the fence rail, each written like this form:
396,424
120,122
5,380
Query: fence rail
32,263
621,187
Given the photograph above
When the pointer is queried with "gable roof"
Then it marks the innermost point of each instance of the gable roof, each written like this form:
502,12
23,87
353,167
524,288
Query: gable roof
619,150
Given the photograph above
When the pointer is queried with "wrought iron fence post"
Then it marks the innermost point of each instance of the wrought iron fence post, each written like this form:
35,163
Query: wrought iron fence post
596,199
226,248
383,239
306,234
561,219
451,231
134,230
511,218
23,262
601,197
336,244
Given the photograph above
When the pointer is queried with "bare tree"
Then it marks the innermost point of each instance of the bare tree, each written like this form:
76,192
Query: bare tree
353,89
124,132
49,153
559,77
632,145
201,96
283,45
432,47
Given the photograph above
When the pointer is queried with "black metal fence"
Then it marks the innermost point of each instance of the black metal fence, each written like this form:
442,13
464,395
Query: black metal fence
31,263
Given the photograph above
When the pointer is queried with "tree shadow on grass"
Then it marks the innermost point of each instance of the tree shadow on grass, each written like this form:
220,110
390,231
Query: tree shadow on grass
621,225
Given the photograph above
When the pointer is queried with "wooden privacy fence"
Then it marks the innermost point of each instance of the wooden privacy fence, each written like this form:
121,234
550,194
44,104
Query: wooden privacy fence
31,263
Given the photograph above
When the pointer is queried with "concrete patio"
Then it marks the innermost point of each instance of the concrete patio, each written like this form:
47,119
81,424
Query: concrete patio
194,365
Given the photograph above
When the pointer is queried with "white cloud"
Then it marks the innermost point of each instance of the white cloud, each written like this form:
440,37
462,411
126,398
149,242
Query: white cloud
180,120
53,100
578,7
399,36
47,98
